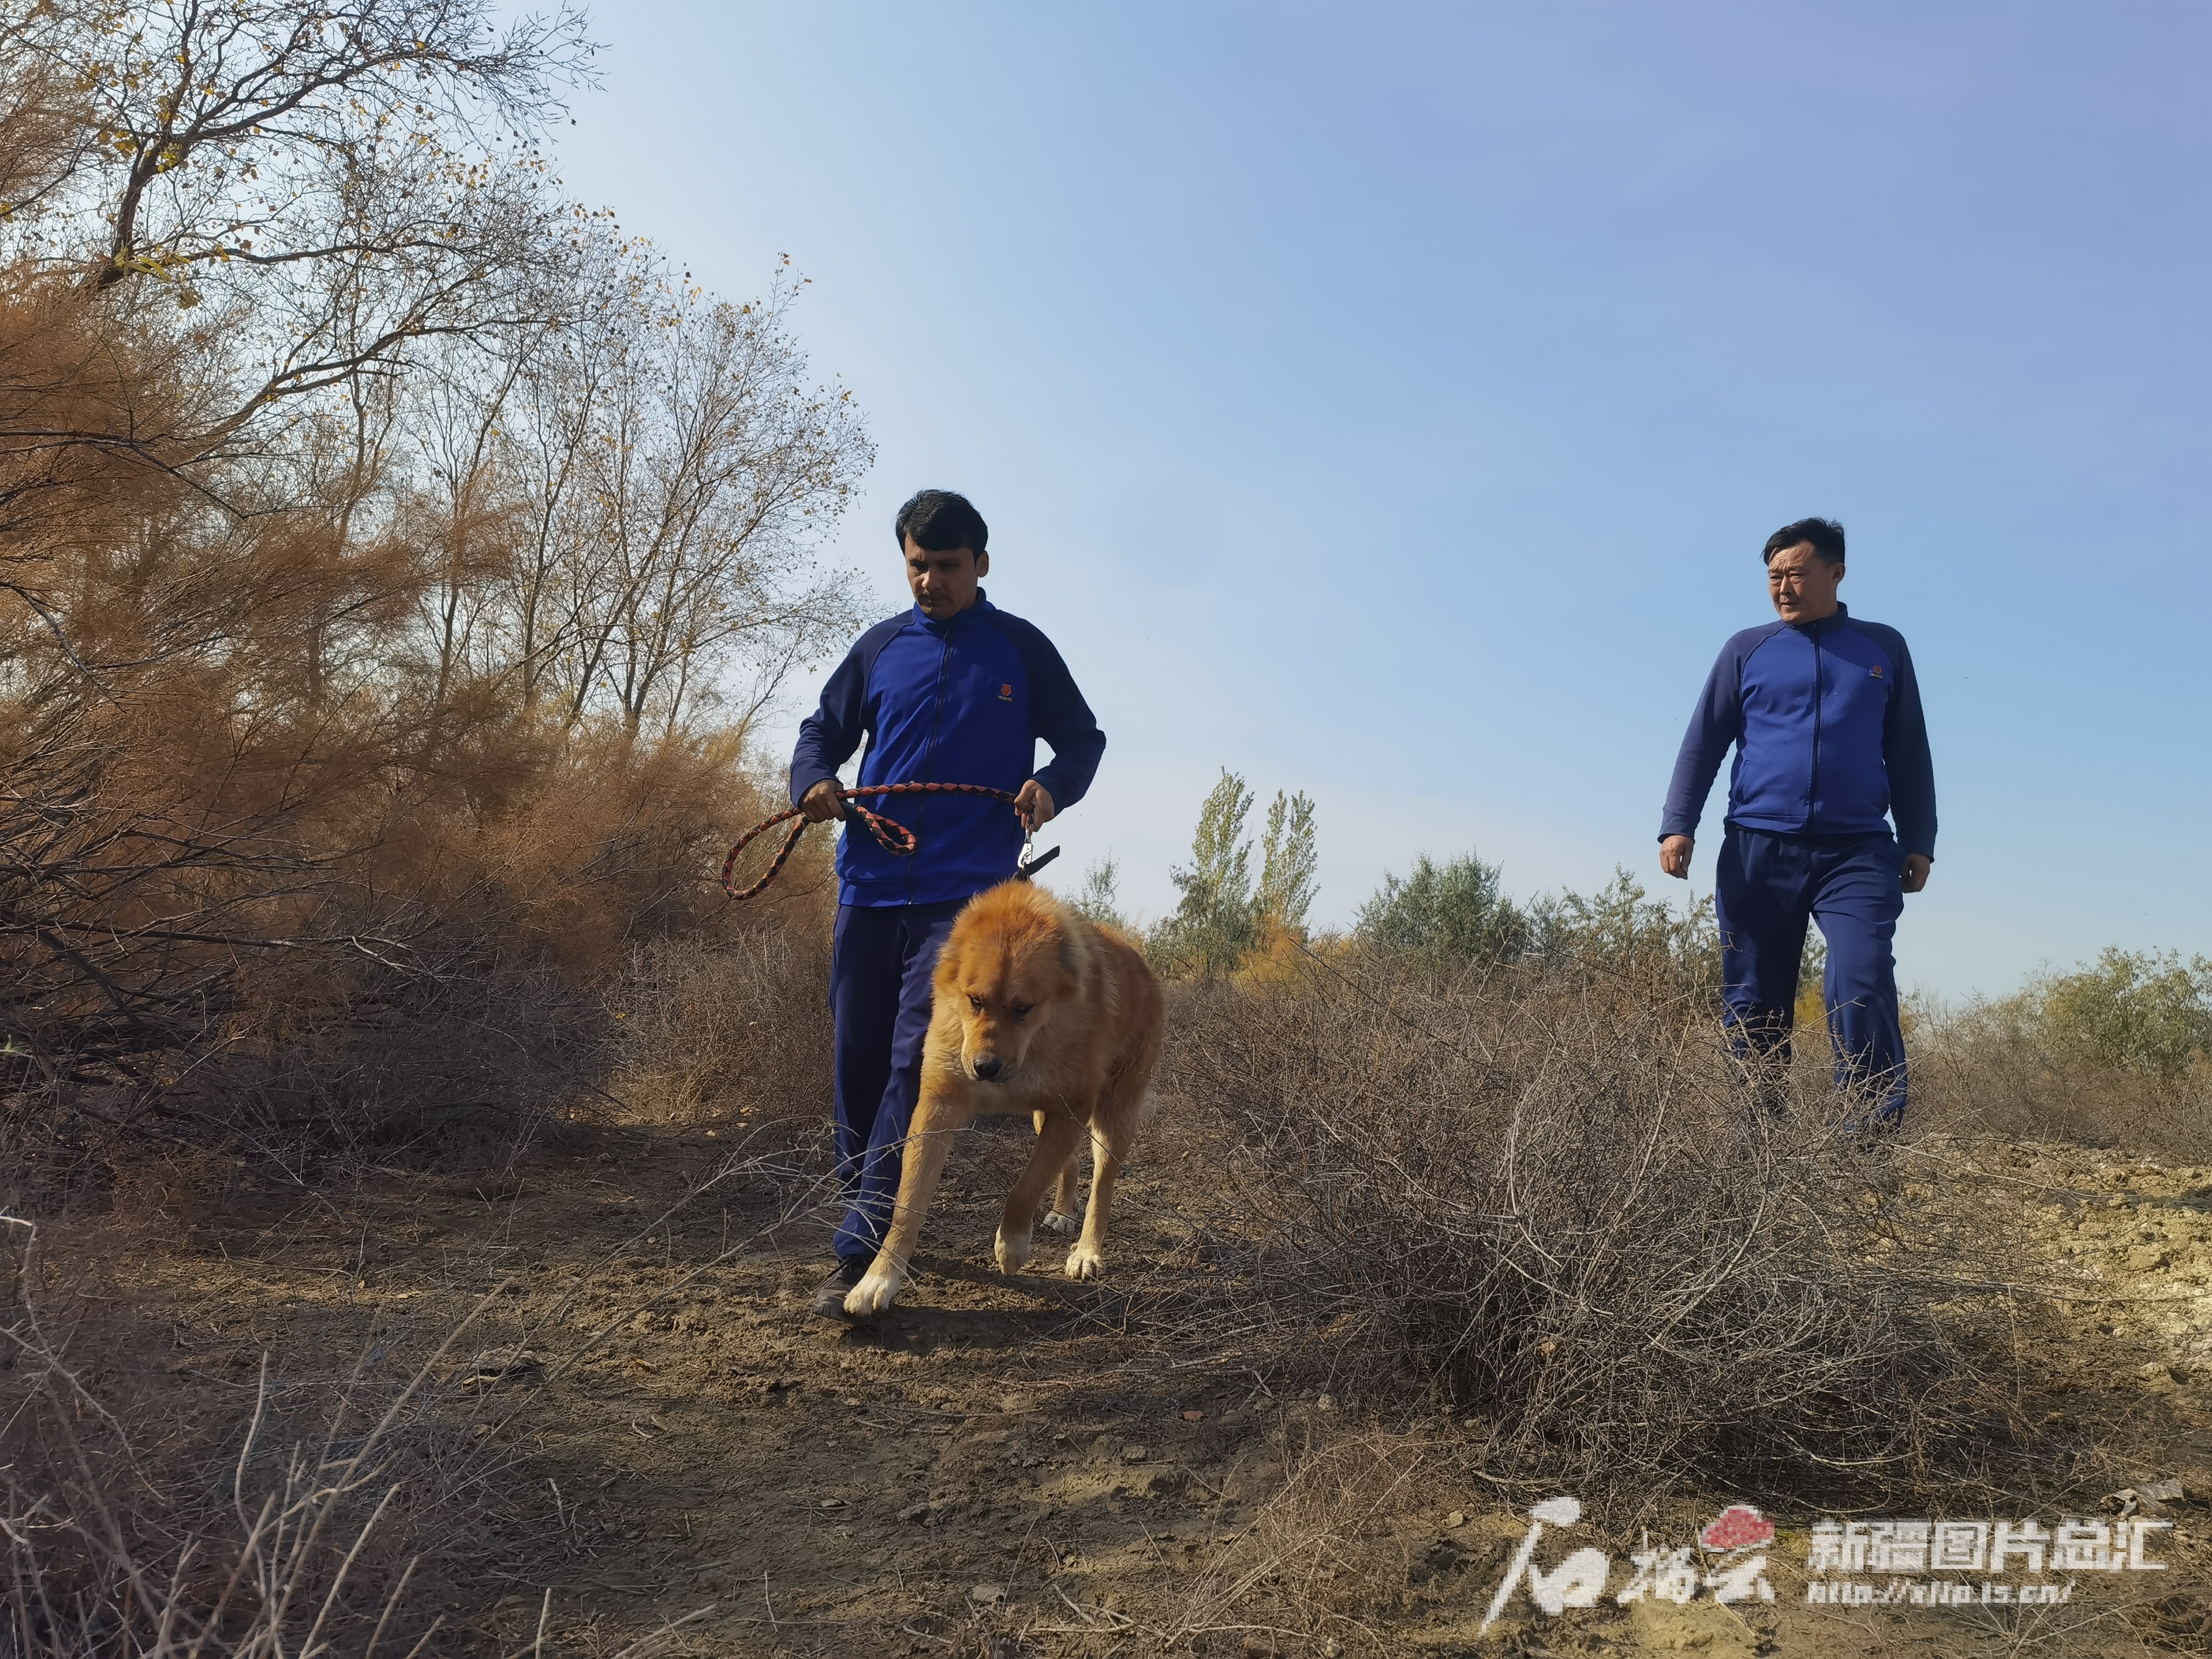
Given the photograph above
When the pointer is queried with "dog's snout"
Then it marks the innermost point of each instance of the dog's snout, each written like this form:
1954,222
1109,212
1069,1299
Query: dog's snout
988,1066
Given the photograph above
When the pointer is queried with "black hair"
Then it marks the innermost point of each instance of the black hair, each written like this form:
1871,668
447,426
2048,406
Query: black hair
941,521
1826,535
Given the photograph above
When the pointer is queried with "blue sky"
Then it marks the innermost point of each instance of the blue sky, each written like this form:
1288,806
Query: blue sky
1390,402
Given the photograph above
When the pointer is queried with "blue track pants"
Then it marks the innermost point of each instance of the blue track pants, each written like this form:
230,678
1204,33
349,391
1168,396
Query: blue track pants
879,971
1766,889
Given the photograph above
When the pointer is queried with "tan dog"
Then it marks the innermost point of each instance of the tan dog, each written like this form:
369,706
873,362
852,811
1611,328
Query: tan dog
1035,1010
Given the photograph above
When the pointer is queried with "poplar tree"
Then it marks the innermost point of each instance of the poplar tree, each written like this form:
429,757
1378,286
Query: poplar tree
1213,926
1289,857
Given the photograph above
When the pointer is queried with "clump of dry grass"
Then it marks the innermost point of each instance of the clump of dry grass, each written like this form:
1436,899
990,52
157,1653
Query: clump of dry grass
1321,1556
170,1510
138,1514
710,1030
1550,1206
1990,1068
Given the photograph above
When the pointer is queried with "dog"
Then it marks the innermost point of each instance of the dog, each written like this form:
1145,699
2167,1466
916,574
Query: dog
1033,1010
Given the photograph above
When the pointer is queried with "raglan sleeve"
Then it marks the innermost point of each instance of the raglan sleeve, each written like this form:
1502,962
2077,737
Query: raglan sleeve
828,737
1063,719
1715,724
1912,767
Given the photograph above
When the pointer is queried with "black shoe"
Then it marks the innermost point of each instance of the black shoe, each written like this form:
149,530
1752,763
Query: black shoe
830,1296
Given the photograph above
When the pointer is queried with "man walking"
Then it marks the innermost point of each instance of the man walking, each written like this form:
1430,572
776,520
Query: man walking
1825,714
953,691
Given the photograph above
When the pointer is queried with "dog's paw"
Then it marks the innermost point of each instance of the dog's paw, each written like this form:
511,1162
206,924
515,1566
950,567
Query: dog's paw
1083,1262
874,1294
1054,1222
1013,1253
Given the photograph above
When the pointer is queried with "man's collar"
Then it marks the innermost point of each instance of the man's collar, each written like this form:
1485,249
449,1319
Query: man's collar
982,603
1839,614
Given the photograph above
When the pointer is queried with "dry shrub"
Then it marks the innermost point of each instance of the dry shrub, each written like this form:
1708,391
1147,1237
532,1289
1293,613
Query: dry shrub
1990,1068
268,869
457,1068
159,1495
1347,1555
734,1025
1548,1205
494,1013
365,713
425,972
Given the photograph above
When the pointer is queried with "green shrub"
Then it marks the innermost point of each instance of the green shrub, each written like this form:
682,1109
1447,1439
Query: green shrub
1455,911
1455,914
2136,1011
1099,898
2115,1053
1621,934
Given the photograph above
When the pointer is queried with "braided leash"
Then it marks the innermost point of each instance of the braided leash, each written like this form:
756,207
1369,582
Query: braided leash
893,837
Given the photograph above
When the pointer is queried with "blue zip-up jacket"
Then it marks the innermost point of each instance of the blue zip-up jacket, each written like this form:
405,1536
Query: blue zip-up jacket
958,701
1828,732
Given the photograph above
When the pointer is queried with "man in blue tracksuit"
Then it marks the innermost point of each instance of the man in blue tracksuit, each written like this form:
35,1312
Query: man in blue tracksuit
1824,712
953,691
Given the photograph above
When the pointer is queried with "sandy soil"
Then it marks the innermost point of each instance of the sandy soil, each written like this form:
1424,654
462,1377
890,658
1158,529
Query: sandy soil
1004,1468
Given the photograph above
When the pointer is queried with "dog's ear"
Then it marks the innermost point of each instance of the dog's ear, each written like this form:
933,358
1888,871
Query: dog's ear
945,978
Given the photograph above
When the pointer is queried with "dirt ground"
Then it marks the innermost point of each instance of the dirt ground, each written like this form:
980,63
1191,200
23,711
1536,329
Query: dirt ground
664,1436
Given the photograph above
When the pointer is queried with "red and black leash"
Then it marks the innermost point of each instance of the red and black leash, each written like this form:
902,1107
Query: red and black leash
895,838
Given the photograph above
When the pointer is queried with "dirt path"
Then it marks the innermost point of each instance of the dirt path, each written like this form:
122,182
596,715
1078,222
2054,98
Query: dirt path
982,1460
663,1433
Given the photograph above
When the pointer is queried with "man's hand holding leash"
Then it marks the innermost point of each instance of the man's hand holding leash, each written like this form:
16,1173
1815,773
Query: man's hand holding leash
1033,805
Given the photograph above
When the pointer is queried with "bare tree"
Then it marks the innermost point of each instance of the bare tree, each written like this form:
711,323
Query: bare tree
565,372
336,181
695,472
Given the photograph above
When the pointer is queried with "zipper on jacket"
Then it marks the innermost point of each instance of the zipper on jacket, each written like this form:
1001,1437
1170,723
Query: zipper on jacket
1813,789
929,761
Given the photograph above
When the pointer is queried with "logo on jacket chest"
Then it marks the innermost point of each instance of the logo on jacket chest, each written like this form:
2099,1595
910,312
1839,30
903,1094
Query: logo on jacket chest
1006,691
1875,671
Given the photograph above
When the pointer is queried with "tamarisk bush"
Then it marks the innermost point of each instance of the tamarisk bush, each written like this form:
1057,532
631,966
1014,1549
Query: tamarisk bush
392,562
